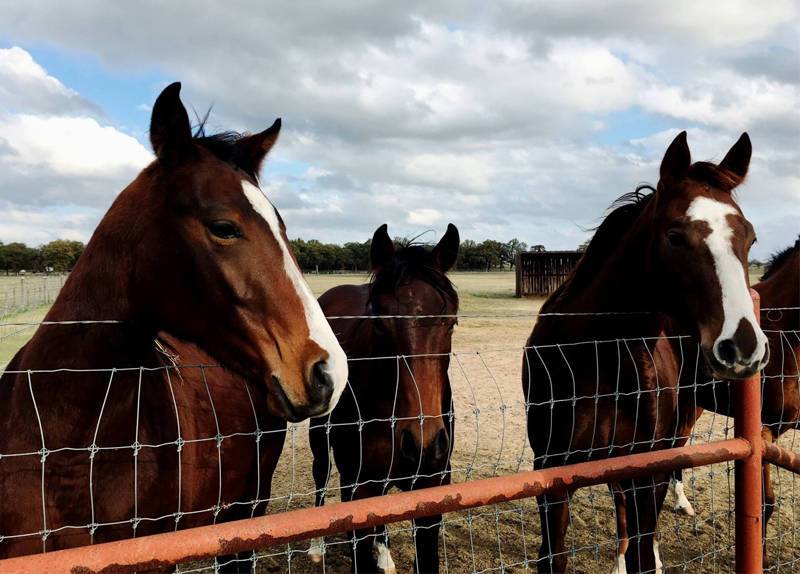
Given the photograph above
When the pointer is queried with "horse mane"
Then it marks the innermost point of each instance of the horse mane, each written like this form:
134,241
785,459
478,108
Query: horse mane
714,175
619,217
222,145
779,259
411,261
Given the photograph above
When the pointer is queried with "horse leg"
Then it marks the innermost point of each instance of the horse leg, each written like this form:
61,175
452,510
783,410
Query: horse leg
644,499
321,470
769,494
365,541
382,553
622,527
426,544
554,516
682,504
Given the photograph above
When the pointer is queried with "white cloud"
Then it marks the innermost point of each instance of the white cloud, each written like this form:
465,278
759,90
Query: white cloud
25,85
70,147
59,165
423,216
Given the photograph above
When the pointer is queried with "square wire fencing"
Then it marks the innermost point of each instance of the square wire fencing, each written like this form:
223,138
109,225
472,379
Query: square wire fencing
484,514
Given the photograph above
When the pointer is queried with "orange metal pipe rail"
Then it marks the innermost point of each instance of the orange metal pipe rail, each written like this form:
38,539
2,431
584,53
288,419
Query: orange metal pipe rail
161,550
781,457
748,477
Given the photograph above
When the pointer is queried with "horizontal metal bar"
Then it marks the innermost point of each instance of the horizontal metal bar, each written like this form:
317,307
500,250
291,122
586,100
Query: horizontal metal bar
781,457
205,542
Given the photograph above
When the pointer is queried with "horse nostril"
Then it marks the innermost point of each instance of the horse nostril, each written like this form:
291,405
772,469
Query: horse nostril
321,383
727,351
441,448
409,450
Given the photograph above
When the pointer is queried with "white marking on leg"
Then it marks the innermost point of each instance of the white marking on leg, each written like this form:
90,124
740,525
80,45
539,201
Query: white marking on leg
736,301
619,567
318,328
383,557
682,504
659,564
316,551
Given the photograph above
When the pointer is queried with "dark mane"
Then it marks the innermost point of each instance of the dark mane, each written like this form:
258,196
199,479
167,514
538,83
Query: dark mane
621,215
222,145
779,259
412,262
714,175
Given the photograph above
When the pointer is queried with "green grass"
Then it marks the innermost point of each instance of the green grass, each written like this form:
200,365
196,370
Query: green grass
12,337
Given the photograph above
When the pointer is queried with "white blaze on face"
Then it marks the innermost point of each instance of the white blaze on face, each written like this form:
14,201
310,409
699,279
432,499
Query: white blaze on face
318,328
736,301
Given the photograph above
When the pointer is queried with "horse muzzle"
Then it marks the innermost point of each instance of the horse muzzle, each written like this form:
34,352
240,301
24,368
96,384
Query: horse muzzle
320,391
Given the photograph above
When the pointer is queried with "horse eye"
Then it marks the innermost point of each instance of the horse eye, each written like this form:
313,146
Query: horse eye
224,229
676,238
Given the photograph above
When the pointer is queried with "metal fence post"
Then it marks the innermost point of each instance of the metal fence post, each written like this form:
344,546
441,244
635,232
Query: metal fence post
748,479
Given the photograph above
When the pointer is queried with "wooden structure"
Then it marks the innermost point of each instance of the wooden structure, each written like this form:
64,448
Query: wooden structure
541,272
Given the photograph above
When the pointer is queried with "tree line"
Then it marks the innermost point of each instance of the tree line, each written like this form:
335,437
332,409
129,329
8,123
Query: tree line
57,256
315,256
60,256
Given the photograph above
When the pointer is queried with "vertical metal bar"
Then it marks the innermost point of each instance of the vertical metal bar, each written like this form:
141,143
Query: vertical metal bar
747,425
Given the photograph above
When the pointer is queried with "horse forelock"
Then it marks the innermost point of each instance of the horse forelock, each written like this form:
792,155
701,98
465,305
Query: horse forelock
409,263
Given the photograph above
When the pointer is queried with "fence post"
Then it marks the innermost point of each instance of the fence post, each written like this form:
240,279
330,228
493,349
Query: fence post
748,479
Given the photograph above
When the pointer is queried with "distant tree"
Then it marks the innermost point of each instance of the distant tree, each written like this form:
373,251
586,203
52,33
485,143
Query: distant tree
357,255
61,254
17,256
510,251
584,245
538,248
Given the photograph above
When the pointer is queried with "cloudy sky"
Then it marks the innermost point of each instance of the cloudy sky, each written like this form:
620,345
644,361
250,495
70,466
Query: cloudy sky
508,118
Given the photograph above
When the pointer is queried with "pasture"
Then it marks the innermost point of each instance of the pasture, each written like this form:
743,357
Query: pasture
490,440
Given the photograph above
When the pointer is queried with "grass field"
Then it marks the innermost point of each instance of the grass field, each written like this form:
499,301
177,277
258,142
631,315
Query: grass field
490,439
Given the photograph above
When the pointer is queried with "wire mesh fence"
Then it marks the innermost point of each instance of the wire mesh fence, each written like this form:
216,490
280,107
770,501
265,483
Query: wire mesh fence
23,292
484,416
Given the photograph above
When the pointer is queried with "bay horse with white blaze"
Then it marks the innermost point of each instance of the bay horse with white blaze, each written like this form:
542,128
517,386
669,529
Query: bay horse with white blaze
671,261
105,435
392,427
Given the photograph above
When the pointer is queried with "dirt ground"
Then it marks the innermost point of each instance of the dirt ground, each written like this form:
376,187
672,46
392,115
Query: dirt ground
491,439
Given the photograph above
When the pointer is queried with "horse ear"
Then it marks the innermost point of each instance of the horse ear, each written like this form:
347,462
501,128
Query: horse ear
677,159
169,125
253,149
382,248
737,160
446,251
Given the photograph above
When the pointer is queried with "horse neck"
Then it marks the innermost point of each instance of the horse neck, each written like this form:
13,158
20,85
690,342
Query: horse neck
98,289
782,289
621,285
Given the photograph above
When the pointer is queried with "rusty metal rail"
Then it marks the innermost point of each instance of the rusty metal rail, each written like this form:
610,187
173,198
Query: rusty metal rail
263,532
781,457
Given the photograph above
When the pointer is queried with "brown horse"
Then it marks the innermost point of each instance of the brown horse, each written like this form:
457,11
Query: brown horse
392,426
671,261
105,435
